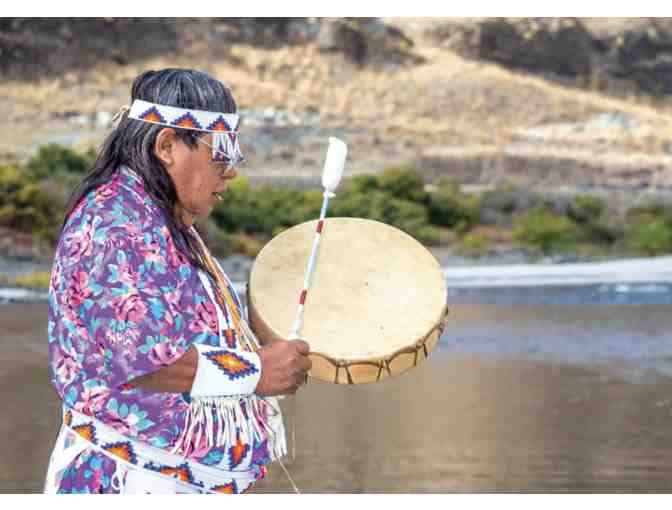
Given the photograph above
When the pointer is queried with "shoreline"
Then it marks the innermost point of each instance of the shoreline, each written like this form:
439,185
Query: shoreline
655,271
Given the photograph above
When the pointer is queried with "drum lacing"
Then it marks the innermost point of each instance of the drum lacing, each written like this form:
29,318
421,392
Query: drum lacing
384,364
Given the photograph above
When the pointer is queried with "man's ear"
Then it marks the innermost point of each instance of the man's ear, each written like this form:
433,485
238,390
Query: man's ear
164,146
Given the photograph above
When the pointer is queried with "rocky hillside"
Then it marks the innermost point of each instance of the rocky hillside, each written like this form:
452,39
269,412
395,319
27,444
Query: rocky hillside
551,104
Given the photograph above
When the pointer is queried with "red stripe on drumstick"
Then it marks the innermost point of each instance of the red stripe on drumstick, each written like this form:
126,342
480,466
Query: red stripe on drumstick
319,226
302,299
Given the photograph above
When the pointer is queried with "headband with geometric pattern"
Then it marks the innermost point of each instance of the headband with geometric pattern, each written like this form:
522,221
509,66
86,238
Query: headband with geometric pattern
223,126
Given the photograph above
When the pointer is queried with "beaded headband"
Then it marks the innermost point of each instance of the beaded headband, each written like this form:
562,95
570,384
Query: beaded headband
223,126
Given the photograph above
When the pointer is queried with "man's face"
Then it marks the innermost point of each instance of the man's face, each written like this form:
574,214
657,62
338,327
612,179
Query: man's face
198,179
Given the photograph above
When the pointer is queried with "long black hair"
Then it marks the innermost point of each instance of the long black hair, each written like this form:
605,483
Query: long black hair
132,144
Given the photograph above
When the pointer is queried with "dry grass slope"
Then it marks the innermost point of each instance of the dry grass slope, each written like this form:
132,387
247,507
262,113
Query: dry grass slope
448,109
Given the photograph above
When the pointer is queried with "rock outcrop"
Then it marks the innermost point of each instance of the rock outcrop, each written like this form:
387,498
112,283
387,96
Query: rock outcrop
367,41
595,54
645,56
35,47
559,45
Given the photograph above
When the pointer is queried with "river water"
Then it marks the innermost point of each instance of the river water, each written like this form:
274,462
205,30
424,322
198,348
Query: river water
570,395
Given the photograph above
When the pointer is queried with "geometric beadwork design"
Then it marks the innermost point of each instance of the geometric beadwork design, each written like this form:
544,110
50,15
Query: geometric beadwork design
238,451
123,450
183,117
230,338
231,364
227,488
260,453
87,431
187,121
153,115
181,472
219,125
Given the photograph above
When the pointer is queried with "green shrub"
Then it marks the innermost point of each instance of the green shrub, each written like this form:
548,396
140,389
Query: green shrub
377,205
650,235
660,210
265,210
403,183
361,184
593,224
474,244
648,229
449,207
394,197
585,210
32,200
429,235
542,228
12,181
27,206
57,162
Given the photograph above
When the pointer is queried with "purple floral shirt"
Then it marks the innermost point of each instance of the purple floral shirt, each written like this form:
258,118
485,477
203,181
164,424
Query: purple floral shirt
123,302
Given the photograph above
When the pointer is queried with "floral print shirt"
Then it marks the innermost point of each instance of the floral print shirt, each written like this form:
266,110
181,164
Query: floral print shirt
124,302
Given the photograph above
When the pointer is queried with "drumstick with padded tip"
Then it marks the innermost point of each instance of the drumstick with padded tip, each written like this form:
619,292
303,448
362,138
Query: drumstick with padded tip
331,177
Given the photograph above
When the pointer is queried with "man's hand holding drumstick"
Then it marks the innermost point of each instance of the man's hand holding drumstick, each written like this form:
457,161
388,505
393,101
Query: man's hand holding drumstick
284,367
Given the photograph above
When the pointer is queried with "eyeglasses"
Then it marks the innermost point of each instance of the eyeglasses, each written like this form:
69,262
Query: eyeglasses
223,159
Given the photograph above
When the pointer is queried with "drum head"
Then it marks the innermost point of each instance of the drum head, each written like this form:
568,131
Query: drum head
375,291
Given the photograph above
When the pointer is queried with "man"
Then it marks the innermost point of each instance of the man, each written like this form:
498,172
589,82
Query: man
164,386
